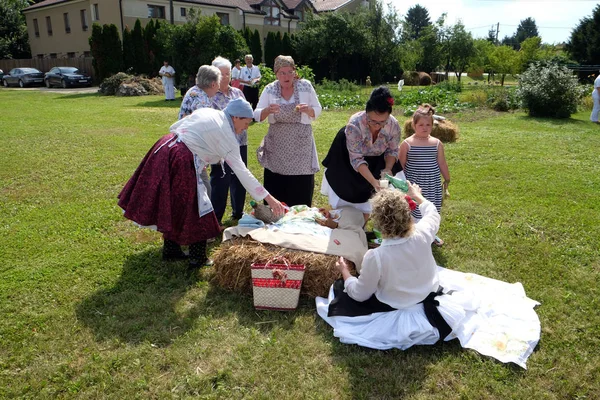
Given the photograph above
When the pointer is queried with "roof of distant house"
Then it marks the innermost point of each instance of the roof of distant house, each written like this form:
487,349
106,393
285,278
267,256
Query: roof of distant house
329,5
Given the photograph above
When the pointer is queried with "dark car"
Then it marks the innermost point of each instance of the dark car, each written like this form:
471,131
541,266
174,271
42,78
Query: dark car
23,77
67,77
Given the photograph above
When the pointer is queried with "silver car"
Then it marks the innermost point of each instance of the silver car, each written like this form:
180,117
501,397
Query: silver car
23,77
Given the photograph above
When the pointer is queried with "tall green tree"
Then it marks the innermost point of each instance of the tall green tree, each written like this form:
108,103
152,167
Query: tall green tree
526,29
504,60
105,46
199,41
140,54
415,22
529,53
286,45
14,40
256,48
270,49
461,49
128,57
584,44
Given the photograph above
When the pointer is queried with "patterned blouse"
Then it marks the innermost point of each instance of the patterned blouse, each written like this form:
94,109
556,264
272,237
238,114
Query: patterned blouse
194,99
220,101
360,144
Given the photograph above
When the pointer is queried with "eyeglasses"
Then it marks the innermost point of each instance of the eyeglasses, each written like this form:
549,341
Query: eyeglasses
289,73
377,123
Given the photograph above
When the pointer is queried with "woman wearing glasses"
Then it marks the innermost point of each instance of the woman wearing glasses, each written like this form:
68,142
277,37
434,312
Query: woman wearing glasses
288,152
361,152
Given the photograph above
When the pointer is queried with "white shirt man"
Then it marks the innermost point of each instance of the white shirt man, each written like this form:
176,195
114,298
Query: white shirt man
167,73
249,78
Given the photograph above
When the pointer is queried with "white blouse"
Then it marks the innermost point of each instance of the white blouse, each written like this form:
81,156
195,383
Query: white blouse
306,94
209,135
402,271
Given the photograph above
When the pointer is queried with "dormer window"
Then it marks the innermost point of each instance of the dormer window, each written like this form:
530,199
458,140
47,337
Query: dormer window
271,9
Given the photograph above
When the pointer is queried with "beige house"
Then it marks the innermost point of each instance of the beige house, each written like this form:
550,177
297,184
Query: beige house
61,28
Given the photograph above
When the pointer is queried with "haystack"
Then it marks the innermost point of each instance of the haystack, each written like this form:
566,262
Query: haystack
233,259
444,130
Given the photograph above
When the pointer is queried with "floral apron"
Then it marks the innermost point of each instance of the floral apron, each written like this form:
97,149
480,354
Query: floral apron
289,147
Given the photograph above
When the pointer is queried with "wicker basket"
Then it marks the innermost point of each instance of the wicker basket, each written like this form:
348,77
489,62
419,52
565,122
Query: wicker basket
276,286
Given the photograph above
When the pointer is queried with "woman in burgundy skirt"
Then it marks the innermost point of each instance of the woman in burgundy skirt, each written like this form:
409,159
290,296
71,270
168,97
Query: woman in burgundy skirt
166,192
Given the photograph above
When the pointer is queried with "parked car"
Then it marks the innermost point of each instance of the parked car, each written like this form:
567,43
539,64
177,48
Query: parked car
23,77
1,74
67,77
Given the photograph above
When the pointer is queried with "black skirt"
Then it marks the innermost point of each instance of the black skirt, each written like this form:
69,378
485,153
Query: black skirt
347,183
290,189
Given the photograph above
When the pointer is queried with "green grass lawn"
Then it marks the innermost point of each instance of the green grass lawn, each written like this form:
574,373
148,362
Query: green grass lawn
88,309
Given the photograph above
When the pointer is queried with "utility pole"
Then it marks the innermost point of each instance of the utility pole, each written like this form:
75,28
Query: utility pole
497,31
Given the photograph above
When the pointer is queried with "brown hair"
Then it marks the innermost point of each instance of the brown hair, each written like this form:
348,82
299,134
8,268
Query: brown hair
391,213
424,110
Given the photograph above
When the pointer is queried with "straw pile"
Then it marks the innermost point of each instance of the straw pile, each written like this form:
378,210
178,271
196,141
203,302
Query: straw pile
444,130
233,259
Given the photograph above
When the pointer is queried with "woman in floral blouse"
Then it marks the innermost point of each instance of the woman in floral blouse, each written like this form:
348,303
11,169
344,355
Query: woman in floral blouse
360,152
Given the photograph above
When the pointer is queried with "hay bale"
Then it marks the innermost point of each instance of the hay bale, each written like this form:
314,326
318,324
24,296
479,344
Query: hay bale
424,79
444,130
411,78
233,259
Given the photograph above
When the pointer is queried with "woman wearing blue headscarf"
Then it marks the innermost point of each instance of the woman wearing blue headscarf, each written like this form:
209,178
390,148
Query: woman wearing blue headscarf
166,192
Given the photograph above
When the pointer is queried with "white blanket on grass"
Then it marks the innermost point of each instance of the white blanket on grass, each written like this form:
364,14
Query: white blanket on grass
495,318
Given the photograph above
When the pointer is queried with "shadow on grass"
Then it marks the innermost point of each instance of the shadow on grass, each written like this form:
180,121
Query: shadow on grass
141,306
66,96
162,103
554,121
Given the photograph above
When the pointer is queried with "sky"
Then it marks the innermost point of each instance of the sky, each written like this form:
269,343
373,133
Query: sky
554,19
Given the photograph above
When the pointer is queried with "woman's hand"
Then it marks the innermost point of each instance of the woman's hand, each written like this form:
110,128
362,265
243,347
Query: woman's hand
327,222
375,183
342,265
276,206
306,109
414,191
274,108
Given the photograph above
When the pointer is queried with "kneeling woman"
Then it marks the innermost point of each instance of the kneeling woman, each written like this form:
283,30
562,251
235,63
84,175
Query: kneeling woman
361,150
398,301
166,191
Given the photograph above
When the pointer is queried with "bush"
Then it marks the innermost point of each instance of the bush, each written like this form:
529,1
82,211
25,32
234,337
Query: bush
444,100
343,85
549,90
502,99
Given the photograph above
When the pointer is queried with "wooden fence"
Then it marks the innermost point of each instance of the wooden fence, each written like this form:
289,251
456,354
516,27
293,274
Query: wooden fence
46,64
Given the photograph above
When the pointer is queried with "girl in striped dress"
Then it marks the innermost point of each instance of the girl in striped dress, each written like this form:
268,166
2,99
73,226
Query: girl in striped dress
423,160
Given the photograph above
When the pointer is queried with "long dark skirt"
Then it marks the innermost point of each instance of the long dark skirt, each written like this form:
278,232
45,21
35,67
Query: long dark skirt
290,189
163,192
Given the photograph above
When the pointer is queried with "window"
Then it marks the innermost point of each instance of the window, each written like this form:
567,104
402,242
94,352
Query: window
95,12
224,17
67,24
183,12
71,55
84,22
271,9
36,27
40,56
49,25
87,53
52,55
300,14
156,12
